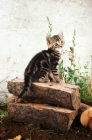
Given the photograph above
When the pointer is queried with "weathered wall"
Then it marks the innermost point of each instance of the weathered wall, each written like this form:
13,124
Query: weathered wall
23,28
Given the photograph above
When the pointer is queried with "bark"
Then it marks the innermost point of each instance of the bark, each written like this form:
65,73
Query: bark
48,117
82,108
64,95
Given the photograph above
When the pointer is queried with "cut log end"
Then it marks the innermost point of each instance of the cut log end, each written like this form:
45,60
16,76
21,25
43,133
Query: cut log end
86,115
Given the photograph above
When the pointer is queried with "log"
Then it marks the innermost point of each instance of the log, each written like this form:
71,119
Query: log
64,95
85,115
48,117
83,107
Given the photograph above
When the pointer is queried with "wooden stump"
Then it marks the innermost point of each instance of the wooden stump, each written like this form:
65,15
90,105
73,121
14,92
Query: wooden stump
49,117
64,95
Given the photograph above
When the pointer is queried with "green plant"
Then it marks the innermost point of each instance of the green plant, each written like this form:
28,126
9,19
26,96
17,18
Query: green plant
3,105
31,125
48,131
3,110
73,74
5,94
50,27
3,113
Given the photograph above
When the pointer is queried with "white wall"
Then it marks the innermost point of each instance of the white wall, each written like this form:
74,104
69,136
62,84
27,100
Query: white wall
23,28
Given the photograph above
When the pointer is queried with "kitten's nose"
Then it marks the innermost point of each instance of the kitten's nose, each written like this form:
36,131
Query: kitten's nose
61,46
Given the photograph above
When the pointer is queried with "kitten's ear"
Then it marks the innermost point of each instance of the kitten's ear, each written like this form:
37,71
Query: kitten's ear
60,34
48,39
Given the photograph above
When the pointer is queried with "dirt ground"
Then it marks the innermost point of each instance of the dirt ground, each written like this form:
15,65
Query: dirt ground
10,129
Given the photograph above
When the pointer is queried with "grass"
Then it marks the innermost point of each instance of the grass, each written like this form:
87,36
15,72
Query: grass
3,112
48,131
3,104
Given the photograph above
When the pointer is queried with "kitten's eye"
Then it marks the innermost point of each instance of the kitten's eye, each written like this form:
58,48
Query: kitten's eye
61,41
56,44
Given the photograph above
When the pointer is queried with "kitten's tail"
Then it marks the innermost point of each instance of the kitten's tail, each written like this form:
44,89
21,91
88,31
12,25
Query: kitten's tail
22,93
26,87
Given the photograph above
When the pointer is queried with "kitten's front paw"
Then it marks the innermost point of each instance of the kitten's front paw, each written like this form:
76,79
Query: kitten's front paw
62,78
41,80
60,81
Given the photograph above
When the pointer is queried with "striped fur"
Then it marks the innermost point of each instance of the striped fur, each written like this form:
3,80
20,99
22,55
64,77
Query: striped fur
43,66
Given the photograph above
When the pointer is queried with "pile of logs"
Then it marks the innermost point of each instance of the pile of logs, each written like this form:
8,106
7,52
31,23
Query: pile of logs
51,105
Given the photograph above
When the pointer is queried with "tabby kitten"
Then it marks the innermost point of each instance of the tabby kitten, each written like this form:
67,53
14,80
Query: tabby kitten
43,66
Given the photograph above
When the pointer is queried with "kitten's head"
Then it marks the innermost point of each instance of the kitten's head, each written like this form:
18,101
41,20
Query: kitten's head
56,41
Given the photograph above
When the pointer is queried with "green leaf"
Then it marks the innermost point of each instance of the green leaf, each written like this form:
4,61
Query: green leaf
75,79
72,49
